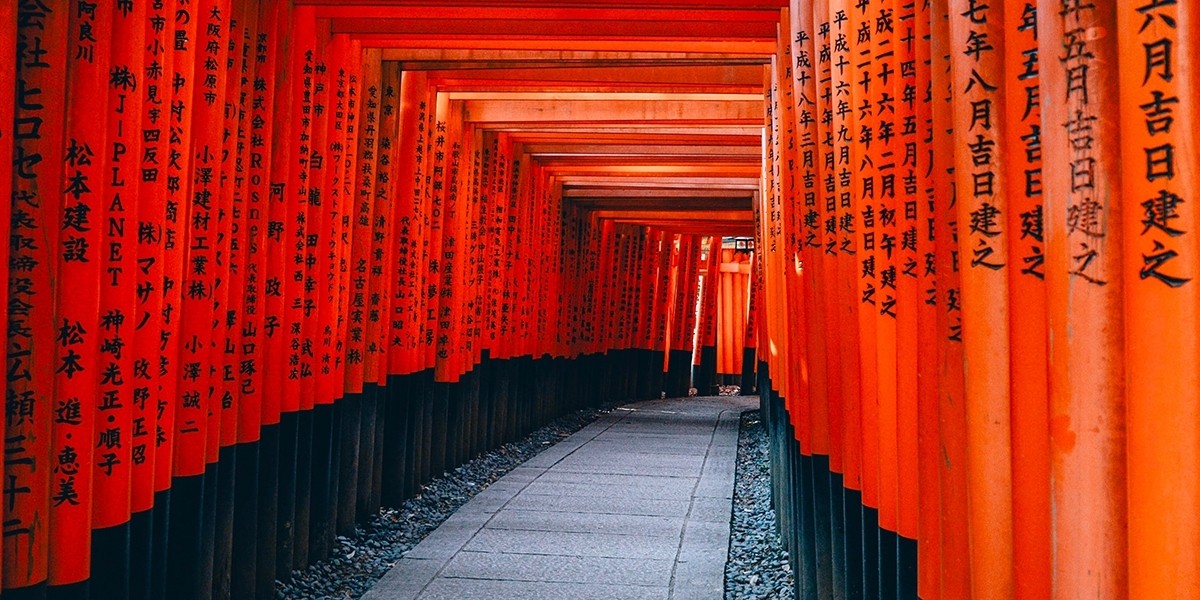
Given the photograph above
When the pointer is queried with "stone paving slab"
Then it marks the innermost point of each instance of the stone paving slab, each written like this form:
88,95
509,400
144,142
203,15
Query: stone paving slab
636,505
680,489
562,543
622,448
611,469
644,479
592,504
562,569
533,520
648,464
451,588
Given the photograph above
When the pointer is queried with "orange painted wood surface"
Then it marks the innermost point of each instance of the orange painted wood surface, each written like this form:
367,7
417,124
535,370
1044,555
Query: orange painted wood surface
1082,183
112,485
1156,44
929,539
863,166
955,572
982,205
1028,370
78,363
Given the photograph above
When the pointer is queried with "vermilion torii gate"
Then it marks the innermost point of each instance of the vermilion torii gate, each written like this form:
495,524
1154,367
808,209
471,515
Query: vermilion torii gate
274,264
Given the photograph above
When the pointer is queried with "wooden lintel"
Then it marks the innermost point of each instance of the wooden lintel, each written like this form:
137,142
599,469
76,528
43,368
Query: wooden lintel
650,192
681,213
647,171
417,48
671,4
690,183
622,150
590,87
598,139
450,11
636,165
743,112
594,29
477,67
697,205
622,96
686,79
640,129
721,230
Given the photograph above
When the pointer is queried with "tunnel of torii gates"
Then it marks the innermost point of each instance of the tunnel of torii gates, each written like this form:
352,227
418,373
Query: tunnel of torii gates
275,264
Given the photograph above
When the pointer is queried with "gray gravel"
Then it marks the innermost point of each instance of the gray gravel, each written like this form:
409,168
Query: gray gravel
758,563
360,560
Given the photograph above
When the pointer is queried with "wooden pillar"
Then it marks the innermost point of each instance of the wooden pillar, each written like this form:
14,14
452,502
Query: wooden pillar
1027,293
980,151
929,542
1082,173
8,80
118,291
955,570
261,63
38,147
906,188
1156,46
79,337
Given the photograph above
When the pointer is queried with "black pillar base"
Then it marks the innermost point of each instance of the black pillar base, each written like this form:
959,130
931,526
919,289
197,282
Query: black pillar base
679,369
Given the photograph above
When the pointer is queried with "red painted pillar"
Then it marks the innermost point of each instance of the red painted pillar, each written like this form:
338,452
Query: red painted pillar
929,543
118,296
863,165
410,170
8,80
843,128
1027,292
34,144
38,170
877,135
388,149
1157,48
153,392
361,217
80,332
282,80
955,571
176,171
906,154
980,147
1082,183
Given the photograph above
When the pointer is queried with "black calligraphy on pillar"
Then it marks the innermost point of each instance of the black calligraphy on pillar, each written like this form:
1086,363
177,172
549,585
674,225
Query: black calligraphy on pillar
298,241
1087,224
1030,246
36,139
118,300
807,115
908,143
825,129
257,173
867,115
986,224
842,135
889,107
150,361
1162,234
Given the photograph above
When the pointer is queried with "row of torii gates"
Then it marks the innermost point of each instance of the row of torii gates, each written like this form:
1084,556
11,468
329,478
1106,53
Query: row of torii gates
274,264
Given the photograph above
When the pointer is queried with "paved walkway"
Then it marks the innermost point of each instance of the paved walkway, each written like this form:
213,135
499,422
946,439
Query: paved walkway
634,506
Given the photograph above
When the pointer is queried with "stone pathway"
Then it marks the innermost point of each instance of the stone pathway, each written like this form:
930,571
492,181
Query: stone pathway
634,506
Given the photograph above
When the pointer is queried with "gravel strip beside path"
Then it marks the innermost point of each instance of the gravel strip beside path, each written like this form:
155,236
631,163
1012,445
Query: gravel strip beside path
758,563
